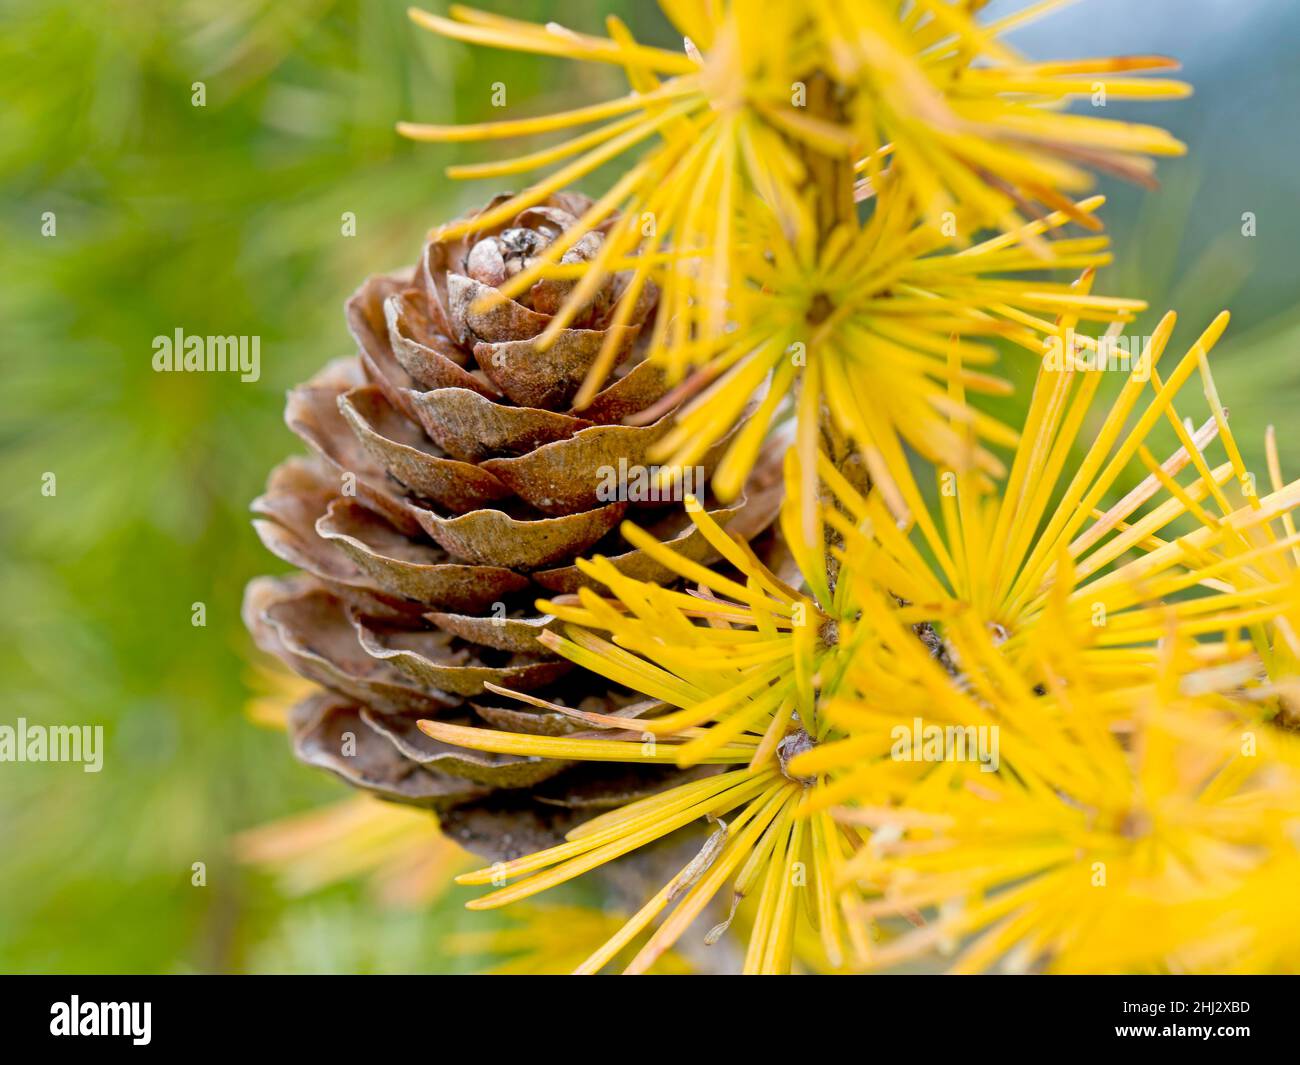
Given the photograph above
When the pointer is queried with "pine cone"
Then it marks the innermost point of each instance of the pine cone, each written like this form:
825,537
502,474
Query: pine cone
452,484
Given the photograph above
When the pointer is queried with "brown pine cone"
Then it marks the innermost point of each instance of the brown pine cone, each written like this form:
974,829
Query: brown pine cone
452,484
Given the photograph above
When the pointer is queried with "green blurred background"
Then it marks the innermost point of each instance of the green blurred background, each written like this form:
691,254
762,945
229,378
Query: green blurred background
226,219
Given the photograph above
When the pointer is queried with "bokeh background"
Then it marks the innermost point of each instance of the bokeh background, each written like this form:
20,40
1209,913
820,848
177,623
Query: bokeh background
226,219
